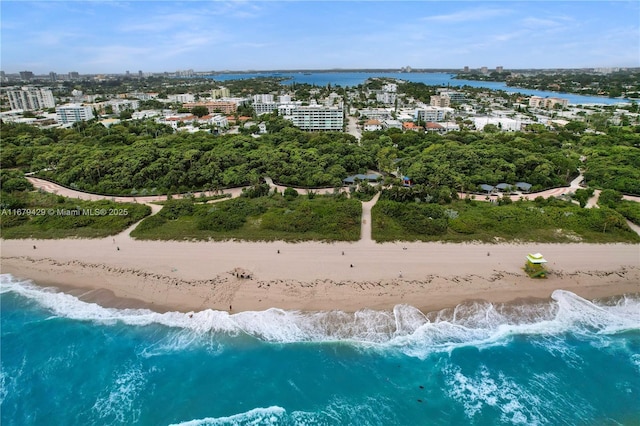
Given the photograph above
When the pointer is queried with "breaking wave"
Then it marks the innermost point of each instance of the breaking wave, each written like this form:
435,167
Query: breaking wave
405,328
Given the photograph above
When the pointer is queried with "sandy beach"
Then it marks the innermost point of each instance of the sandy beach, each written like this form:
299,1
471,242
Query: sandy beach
192,276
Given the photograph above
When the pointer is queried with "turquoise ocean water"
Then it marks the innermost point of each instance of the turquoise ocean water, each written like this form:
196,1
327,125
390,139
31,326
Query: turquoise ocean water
349,79
563,362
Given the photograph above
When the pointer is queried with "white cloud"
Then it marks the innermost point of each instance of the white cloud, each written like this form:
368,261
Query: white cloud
475,14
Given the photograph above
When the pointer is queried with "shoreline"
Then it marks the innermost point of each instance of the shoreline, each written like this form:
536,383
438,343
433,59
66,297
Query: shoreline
194,276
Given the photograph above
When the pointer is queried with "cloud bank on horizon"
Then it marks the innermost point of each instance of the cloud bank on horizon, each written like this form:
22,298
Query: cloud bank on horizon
113,37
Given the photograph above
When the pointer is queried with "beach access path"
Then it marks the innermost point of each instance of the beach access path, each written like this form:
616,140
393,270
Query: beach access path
348,276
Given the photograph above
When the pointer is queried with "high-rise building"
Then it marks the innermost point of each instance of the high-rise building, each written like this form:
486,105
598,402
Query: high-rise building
53,76
484,70
466,69
317,117
499,68
30,99
26,75
72,113
74,75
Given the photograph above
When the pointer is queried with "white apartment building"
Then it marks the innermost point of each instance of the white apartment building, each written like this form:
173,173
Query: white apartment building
503,123
30,99
387,98
431,114
390,87
265,98
264,104
316,117
264,107
122,105
376,113
183,98
71,113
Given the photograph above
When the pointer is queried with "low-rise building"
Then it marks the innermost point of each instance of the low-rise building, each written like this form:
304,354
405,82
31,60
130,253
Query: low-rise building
391,124
120,105
182,98
376,113
225,107
372,125
540,102
72,113
410,125
502,123
440,101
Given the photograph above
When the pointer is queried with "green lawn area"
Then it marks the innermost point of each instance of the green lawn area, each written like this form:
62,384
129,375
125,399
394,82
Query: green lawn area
47,216
550,220
267,218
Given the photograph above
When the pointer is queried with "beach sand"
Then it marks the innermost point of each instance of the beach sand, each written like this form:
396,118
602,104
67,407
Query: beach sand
315,276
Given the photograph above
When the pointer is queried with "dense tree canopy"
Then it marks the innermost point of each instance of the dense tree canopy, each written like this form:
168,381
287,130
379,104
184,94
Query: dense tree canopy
143,157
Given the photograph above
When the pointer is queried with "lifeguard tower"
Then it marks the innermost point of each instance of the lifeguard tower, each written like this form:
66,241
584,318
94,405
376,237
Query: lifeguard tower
535,266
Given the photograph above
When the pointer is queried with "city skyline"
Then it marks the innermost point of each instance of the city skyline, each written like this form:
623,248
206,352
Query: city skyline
113,37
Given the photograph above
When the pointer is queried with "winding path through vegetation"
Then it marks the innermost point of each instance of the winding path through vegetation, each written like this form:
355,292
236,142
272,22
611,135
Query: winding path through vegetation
365,234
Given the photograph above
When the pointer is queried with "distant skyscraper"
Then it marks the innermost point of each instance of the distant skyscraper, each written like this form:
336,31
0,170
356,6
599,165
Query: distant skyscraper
484,70
53,76
140,73
466,69
73,75
26,75
499,68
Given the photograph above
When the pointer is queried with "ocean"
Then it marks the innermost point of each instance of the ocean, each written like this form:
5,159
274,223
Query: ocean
561,362
350,79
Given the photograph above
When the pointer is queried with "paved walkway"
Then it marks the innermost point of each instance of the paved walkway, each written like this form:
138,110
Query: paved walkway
365,224
365,230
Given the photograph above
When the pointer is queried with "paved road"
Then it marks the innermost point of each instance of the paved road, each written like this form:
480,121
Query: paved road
352,128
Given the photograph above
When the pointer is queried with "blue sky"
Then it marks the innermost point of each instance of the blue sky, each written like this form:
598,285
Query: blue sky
112,37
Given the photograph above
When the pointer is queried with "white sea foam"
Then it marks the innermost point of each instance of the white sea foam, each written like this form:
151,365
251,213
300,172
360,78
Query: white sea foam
475,393
118,402
405,328
370,411
257,416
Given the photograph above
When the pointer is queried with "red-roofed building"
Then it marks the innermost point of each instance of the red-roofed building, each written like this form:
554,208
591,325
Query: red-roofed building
434,127
410,125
